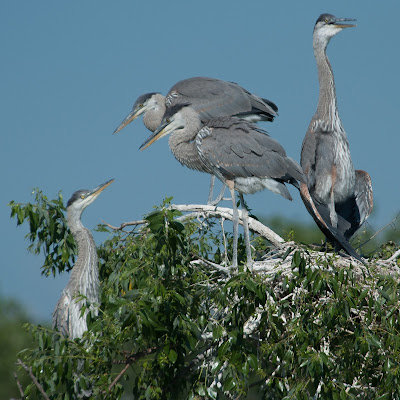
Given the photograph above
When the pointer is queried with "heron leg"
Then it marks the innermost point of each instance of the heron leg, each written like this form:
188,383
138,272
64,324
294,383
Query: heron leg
210,193
245,218
219,197
332,211
210,201
235,218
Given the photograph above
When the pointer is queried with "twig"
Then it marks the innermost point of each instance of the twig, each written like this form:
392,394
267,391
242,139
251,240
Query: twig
124,224
394,256
34,380
21,390
207,263
129,360
383,228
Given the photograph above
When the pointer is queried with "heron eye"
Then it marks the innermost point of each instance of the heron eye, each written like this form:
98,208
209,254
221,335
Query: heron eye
168,121
82,196
326,20
141,105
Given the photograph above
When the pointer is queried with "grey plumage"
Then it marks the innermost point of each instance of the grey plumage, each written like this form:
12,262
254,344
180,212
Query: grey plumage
342,194
84,279
213,98
236,151
209,97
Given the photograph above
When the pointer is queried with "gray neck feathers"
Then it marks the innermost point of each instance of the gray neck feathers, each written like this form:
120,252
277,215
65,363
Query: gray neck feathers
84,278
327,105
183,145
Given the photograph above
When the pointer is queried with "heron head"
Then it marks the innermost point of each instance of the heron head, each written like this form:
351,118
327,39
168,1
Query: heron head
327,26
173,120
145,102
82,198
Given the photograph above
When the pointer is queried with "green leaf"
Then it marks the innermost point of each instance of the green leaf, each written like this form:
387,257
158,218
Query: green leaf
172,356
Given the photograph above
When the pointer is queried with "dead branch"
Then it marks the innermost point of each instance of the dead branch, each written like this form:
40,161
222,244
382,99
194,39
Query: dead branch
227,213
125,224
34,380
394,256
205,211
21,390
209,264
128,362
391,223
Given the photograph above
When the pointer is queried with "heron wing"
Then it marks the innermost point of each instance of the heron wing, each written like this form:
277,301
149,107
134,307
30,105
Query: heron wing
317,156
357,208
322,220
213,98
238,148
363,194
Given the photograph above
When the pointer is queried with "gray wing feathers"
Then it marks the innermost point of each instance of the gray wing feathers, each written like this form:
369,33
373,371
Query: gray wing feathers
213,98
240,149
363,194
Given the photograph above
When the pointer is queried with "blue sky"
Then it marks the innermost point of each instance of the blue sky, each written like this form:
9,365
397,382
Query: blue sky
72,70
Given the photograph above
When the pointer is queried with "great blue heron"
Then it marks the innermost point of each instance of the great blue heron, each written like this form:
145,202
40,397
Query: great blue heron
84,279
236,151
210,98
342,194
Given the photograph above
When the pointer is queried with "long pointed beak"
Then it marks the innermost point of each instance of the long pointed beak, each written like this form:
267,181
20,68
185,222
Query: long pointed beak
95,192
157,134
129,118
339,22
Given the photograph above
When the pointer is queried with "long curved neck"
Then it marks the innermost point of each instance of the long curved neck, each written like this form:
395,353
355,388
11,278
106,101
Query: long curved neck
84,278
327,110
185,152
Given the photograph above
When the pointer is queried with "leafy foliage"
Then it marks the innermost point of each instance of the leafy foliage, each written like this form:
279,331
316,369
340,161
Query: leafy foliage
48,231
169,328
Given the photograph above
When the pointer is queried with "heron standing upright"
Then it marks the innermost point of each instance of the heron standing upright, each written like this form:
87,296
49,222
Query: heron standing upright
341,194
84,279
236,151
210,98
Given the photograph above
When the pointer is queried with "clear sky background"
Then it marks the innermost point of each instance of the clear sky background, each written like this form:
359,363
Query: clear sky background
70,72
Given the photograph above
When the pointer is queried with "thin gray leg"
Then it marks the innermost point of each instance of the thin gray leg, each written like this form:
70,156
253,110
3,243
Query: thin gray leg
245,215
235,228
210,201
210,193
219,197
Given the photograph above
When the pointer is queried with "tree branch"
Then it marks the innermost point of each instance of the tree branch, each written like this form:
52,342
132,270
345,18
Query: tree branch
128,362
21,390
124,224
34,380
207,211
394,256
227,213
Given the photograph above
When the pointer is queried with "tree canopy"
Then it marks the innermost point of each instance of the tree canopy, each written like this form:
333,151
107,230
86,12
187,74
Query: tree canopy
175,322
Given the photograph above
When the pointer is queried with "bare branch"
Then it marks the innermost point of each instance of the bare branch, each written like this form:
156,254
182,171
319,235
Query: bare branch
391,223
129,360
34,380
394,256
207,211
21,390
125,224
209,264
227,213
